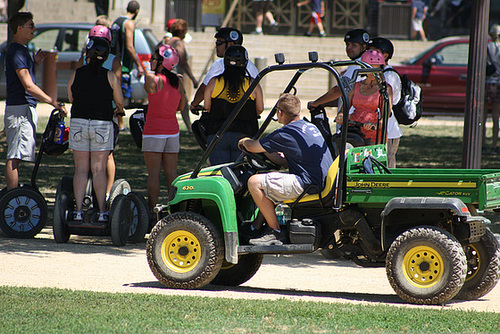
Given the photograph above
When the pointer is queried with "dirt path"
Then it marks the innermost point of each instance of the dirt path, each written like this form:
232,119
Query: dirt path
87,263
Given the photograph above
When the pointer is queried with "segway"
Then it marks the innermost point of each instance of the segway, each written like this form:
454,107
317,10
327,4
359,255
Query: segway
23,210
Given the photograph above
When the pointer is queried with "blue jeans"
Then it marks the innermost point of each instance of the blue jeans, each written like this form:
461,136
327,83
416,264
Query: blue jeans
227,148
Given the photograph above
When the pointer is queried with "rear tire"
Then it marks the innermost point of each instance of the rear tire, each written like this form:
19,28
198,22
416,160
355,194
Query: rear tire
119,187
185,251
23,212
63,207
121,220
237,274
483,267
426,265
140,218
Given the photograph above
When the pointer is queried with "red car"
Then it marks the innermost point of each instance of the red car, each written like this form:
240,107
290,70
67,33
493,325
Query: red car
441,71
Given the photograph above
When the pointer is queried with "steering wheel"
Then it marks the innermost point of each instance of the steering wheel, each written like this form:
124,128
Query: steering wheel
259,161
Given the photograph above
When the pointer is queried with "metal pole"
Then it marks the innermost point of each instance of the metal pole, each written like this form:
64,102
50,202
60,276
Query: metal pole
474,103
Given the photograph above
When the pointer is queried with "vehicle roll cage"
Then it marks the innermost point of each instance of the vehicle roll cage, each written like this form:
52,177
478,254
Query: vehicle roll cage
301,68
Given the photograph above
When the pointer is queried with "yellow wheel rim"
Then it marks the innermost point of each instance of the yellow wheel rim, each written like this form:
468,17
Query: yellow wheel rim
423,266
473,261
181,251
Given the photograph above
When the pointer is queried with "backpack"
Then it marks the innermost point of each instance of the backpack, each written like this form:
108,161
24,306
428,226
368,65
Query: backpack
118,36
409,108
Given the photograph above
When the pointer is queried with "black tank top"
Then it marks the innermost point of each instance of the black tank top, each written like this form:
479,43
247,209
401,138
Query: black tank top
92,95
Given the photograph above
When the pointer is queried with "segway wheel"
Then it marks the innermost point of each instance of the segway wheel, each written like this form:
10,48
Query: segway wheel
62,209
140,218
120,187
121,219
66,184
23,213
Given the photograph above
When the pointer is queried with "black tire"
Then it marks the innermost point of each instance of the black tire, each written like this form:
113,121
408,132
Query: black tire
237,274
426,265
66,184
329,254
140,218
23,213
185,251
483,267
63,207
120,219
119,187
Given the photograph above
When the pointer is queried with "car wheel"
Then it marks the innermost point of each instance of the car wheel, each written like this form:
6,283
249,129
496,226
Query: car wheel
185,251
237,274
426,265
64,205
23,212
483,267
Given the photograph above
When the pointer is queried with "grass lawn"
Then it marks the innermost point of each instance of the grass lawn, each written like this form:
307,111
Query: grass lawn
62,311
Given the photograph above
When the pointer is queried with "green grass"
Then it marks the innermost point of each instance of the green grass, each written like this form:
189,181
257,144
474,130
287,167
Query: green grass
63,311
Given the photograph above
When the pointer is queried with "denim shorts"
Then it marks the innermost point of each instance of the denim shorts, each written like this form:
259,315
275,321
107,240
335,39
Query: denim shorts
88,135
20,127
279,187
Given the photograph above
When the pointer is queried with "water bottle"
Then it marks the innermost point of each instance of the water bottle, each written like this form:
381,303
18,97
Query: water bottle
280,214
59,134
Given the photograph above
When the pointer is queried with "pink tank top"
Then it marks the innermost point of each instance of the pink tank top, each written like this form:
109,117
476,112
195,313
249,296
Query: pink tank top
161,118
365,110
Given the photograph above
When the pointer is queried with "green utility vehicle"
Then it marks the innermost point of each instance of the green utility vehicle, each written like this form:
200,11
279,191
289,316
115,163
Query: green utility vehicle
421,225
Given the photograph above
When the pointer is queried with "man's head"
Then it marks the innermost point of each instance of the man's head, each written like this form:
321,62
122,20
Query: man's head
226,37
495,32
179,28
288,108
383,45
356,41
133,8
22,22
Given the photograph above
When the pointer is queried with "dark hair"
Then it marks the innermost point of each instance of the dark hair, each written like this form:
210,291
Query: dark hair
172,78
233,80
133,6
178,27
19,19
98,49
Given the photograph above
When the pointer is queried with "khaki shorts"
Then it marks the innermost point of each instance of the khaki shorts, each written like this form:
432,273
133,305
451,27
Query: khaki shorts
88,135
280,187
161,145
20,127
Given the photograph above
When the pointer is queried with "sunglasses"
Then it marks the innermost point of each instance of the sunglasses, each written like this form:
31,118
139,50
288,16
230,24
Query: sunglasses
219,42
31,26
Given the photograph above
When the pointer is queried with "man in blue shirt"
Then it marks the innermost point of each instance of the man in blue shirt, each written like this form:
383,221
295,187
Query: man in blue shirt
22,92
297,145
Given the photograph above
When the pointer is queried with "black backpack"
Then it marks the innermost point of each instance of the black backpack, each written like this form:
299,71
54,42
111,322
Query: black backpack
118,36
409,108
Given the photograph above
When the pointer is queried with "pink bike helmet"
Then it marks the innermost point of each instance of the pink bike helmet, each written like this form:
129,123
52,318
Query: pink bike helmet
373,57
169,55
100,31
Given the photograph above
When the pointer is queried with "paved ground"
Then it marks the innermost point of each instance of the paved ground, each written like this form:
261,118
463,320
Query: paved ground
93,264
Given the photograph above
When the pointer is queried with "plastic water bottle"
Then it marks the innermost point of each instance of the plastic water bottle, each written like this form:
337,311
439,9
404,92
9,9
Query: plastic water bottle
280,214
59,134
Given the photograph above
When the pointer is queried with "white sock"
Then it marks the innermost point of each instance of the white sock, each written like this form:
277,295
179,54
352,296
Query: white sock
259,30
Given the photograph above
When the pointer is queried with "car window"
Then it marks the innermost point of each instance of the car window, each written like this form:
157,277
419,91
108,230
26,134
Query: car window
453,55
45,40
74,40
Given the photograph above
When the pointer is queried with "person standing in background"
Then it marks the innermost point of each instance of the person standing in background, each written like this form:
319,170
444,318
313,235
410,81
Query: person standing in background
20,117
179,30
101,7
317,12
418,15
493,85
261,9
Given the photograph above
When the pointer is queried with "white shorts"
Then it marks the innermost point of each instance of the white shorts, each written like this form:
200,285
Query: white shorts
20,127
280,187
162,144
417,24
88,135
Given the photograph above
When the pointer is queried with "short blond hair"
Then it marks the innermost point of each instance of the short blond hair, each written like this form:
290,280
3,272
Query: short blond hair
289,104
103,20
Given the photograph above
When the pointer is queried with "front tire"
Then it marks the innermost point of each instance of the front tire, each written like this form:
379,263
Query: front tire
237,274
140,218
426,265
185,251
23,213
63,207
483,267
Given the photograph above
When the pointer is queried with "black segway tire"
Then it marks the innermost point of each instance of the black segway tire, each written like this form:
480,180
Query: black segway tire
140,218
66,184
63,207
121,220
120,187
23,212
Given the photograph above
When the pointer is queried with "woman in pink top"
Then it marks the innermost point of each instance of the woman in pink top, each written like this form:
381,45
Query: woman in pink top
365,99
160,138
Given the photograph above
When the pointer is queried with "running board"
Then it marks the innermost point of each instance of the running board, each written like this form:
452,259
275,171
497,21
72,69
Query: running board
281,249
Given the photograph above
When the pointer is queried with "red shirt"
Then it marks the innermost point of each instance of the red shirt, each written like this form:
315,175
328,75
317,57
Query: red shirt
161,118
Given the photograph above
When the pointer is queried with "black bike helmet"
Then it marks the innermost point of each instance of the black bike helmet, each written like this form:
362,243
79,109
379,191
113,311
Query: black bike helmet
360,36
98,48
230,35
383,44
236,56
